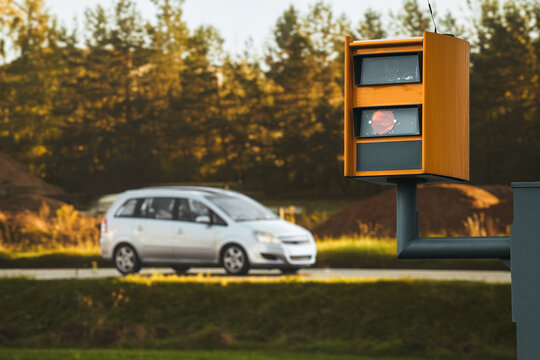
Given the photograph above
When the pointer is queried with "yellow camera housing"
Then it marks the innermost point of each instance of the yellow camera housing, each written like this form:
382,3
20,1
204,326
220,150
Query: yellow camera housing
407,109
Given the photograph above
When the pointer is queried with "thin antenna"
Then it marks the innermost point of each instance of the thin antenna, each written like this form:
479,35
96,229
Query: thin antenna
432,18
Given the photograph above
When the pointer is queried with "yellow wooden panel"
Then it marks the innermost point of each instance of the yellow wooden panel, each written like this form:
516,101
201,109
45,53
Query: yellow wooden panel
379,95
388,172
388,139
383,50
349,155
445,114
395,94
385,42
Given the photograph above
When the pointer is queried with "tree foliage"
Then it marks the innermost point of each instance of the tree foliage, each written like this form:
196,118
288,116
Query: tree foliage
120,102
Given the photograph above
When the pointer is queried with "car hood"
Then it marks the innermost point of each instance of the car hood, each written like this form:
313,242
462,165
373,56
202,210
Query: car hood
276,227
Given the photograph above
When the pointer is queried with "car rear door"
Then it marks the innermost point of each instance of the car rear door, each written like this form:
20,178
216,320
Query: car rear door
154,229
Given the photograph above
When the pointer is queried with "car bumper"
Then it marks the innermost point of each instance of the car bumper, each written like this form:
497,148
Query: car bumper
106,247
282,255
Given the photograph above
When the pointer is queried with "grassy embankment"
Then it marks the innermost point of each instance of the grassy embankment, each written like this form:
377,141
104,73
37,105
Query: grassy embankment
124,354
419,320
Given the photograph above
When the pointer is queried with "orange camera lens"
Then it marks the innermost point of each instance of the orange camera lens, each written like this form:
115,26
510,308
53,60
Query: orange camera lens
383,121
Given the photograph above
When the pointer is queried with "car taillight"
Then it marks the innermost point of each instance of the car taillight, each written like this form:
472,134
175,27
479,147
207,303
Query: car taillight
104,225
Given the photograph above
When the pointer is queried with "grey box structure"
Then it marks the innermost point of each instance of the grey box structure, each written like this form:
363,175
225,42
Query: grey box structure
525,262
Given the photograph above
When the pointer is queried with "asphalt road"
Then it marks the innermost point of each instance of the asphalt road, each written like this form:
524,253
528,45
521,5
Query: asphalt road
254,275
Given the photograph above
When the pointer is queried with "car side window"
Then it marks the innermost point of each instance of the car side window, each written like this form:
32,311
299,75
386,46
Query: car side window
158,208
127,209
198,208
184,211
190,209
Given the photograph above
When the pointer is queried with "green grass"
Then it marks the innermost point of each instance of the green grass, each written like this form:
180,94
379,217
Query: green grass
60,258
381,254
435,320
115,354
341,253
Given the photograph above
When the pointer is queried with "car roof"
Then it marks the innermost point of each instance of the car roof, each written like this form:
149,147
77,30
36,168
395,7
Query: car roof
192,190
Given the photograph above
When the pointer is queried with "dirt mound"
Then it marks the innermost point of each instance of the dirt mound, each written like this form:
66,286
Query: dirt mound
15,178
445,209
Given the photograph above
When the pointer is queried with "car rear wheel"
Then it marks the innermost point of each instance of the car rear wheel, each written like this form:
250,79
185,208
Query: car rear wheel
234,260
126,260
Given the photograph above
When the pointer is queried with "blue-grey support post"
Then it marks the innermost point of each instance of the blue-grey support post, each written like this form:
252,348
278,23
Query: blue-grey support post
411,246
525,251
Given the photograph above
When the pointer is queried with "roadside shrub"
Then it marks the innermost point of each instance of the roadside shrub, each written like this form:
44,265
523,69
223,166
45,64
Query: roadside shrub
479,225
65,228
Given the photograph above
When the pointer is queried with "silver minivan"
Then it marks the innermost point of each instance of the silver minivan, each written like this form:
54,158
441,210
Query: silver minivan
184,227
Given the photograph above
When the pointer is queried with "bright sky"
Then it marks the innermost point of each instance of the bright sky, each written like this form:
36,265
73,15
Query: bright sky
239,20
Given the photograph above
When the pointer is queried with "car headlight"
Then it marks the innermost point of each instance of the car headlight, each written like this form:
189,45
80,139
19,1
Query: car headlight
266,238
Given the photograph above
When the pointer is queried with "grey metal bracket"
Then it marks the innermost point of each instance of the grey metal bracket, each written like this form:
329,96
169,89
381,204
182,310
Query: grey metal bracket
411,246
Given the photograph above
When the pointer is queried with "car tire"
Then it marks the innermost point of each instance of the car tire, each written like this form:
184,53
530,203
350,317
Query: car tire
234,260
126,259
289,271
181,269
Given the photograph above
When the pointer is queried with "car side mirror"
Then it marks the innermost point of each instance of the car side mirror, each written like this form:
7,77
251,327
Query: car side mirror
203,219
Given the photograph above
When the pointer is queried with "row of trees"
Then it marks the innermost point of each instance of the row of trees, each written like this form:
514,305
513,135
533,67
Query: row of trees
121,102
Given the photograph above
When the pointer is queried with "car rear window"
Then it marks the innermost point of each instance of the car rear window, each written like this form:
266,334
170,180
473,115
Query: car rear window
127,209
158,208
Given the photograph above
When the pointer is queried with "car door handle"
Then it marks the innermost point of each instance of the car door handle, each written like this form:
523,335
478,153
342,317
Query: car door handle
139,228
179,231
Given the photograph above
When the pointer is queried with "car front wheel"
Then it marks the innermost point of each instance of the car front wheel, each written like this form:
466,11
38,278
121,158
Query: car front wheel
234,260
126,260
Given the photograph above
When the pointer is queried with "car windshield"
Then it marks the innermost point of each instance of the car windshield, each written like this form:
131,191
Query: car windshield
240,209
